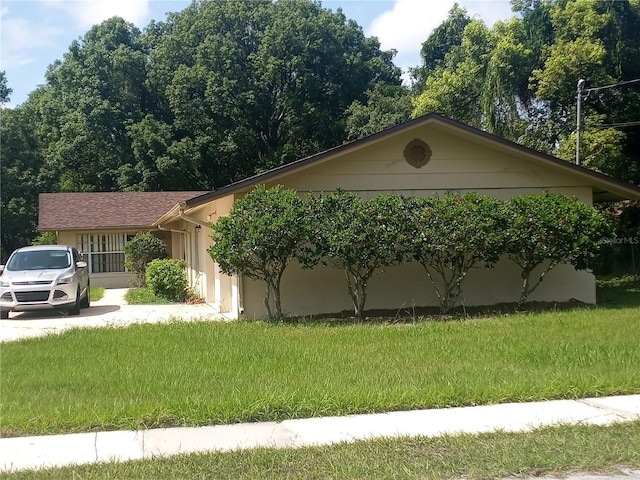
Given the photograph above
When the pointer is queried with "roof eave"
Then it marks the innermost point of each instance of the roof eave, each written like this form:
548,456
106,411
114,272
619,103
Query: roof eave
170,216
86,228
617,189
297,165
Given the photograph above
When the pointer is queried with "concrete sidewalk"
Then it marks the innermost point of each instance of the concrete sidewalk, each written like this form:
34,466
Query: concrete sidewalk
59,450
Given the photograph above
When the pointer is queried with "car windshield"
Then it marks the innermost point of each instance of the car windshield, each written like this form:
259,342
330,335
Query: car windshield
39,260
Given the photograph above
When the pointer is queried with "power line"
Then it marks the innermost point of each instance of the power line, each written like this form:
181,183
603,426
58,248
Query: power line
621,125
620,84
581,92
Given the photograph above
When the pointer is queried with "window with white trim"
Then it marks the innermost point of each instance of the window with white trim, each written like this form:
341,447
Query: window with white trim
104,253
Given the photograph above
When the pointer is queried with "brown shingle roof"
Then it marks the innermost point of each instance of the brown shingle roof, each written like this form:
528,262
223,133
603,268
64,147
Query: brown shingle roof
91,210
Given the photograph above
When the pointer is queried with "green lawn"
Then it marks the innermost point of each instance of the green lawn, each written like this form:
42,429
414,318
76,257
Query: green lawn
96,293
145,296
619,292
210,373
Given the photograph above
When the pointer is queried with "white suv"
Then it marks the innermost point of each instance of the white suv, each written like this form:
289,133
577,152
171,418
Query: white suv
44,277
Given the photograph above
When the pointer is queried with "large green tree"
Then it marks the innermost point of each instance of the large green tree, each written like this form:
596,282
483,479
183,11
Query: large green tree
454,88
599,42
20,181
5,91
518,78
92,96
386,106
253,85
444,38
212,94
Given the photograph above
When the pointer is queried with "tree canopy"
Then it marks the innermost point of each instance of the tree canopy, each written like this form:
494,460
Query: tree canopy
518,79
253,85
5,91
210,95
225,89
20,179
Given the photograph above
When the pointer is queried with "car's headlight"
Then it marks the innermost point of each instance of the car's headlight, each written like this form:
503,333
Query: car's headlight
65,280
4,283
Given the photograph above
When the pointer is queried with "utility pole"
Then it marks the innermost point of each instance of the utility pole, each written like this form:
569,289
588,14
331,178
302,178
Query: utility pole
581,83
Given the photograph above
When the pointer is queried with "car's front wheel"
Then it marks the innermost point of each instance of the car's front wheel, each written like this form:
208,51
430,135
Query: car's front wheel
86,300
75,308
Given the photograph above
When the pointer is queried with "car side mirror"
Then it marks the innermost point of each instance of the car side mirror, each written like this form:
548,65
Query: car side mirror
1,268
81,264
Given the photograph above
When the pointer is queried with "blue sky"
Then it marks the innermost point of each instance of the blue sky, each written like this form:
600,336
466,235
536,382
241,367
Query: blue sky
35,33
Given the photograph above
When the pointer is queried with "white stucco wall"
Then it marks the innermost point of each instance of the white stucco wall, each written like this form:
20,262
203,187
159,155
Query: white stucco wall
219,290
324,289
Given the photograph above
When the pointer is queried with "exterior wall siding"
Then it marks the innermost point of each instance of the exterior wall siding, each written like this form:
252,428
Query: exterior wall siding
206,280
456,165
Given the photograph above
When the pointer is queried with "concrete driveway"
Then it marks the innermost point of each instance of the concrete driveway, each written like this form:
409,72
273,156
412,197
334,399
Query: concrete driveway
110,311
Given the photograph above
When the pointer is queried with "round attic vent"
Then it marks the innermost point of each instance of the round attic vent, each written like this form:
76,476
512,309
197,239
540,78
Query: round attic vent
417,153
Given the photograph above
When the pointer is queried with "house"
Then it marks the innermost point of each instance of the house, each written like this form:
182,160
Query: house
100,224
427,155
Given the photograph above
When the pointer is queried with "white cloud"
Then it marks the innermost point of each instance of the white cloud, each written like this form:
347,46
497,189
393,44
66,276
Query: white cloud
87,13
489,11
410,22
18,39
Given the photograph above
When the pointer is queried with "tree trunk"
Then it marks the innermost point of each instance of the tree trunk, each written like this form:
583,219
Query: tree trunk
266,301
277,302
524,291
357,293
527,287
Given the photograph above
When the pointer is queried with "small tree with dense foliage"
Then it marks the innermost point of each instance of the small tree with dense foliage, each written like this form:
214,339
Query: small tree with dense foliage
452,234
546,230
168,278
263,234
360,237
46,238
139,251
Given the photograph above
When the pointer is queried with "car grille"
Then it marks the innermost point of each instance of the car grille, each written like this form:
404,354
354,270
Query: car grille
34,282
25,297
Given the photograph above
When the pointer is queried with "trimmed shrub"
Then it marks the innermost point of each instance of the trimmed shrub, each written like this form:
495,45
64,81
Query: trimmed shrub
168,278
263,234
360,237
141,250
46,238
448,236
452,235
549,229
